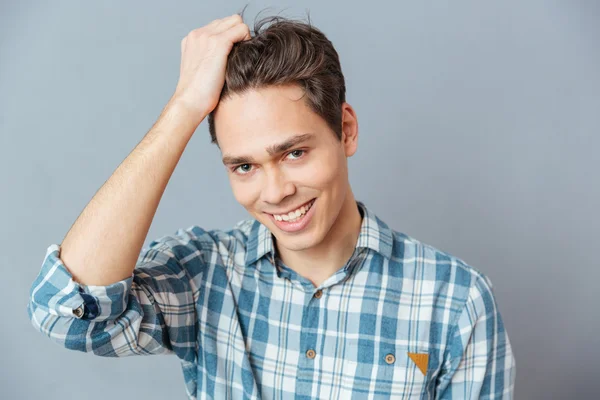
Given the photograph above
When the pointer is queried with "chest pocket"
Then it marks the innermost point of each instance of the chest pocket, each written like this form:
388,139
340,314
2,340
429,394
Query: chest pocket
393,372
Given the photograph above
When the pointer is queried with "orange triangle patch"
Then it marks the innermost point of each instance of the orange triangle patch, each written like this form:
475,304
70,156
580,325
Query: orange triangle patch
421,359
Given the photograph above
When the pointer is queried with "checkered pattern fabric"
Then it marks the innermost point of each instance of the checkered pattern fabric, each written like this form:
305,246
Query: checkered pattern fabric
401,320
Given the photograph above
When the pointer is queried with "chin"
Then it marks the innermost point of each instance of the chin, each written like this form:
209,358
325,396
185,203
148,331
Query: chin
297,243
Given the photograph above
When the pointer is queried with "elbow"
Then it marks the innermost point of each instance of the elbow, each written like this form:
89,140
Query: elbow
68,332
106,338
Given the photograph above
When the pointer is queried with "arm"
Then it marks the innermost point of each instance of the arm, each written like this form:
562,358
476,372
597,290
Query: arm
99,291
102,245
87,297
119,215
479,363
151,312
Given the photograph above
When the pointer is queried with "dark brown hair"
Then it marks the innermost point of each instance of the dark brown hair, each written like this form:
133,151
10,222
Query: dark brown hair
287,52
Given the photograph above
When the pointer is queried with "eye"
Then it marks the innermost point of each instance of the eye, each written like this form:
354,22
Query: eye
296,153
242,169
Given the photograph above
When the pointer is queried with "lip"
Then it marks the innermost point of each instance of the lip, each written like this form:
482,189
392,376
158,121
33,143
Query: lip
297,226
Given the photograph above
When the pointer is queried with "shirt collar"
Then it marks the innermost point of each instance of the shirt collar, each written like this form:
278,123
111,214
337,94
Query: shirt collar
374,234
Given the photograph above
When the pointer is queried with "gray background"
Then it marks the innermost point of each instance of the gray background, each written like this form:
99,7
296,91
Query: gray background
478,135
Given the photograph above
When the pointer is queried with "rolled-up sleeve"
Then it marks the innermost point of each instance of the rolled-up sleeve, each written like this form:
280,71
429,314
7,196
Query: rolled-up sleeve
479,360
151,312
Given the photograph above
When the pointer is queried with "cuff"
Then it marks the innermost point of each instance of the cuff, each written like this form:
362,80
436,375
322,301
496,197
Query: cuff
55,290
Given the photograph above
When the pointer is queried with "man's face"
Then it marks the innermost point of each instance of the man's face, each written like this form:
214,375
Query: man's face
285,165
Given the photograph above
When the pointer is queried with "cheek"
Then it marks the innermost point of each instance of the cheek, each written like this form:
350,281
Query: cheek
326,169
245,193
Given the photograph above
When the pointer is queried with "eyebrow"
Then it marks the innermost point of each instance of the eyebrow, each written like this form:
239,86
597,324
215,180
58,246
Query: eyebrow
271,150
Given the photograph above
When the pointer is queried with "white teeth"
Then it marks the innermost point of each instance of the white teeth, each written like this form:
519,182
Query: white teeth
293,215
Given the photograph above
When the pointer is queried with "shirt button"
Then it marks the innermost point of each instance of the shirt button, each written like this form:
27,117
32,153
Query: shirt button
318,294
390,358
311,354
78,312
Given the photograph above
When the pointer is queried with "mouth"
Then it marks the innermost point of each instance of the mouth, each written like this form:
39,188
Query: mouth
295,220
296,214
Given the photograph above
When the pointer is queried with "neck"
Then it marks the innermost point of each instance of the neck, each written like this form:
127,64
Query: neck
320,262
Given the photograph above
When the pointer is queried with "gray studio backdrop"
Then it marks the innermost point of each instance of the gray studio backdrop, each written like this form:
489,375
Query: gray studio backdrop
478,135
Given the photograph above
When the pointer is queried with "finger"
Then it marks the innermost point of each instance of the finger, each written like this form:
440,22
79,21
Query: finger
226,23
183,44
217,21
237,33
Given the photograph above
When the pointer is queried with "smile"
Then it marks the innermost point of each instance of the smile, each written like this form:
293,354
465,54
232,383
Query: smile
296,214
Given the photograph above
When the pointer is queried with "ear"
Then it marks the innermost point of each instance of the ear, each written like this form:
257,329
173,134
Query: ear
349,130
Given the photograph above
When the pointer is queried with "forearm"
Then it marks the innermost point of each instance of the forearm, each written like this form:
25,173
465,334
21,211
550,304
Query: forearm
104,243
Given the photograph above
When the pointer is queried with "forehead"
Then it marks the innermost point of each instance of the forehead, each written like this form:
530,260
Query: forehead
250,122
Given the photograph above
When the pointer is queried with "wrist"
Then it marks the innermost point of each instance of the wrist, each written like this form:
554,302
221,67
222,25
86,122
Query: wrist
179,108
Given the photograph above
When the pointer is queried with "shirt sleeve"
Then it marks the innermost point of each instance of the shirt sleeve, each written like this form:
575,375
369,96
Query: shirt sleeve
151,312
479,362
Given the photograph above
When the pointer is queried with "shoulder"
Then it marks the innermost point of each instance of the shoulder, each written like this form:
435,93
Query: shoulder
198,241
438,265
440,281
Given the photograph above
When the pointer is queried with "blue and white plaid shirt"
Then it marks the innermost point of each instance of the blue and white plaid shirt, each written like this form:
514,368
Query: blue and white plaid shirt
401,320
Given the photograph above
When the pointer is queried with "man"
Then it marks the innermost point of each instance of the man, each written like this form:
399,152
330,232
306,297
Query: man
315,296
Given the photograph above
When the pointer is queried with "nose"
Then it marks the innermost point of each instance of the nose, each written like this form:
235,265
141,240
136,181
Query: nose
277,187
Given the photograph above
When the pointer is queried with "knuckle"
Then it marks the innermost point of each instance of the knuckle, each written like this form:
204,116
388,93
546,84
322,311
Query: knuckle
196,33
